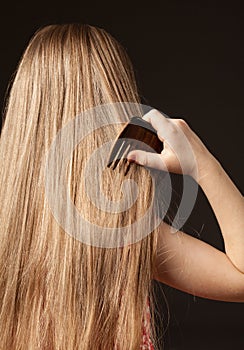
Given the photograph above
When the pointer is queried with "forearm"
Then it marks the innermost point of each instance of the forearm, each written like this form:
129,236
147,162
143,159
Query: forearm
228,205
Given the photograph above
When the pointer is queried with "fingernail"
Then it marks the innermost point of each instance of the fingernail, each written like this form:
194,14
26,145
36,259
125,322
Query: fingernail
131,157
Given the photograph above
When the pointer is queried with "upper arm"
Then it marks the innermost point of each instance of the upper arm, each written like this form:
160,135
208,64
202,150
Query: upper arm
193,266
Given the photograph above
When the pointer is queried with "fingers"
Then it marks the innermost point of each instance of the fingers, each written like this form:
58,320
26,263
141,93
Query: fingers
152,160
169,130
161,125
159,122
177,155
154,112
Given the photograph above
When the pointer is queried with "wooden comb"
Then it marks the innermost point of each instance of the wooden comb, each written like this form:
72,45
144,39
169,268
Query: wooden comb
136,134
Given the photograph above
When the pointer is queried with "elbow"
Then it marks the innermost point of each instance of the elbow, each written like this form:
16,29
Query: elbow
238,263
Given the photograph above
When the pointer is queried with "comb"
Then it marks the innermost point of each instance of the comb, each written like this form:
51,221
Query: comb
136,134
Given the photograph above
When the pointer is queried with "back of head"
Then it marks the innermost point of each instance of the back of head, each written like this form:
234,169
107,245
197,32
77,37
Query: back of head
57,292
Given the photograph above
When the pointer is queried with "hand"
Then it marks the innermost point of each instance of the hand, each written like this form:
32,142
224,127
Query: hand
183,153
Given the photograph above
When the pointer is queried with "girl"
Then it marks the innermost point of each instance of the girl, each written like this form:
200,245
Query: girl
56,292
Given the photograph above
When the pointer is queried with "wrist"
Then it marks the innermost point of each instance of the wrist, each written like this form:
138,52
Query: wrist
207,165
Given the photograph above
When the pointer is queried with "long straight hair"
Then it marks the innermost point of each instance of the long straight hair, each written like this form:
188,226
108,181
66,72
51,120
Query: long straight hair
57,293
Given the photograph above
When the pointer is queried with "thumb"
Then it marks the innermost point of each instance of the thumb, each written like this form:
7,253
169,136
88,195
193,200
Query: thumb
152,160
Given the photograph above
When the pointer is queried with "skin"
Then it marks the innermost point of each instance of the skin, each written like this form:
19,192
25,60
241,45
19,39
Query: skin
182,261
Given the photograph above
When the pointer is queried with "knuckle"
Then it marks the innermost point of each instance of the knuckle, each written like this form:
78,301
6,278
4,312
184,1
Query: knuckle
181,122
172,129
144,159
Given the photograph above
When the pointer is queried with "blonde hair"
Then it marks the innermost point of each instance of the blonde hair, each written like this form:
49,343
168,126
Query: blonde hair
57,293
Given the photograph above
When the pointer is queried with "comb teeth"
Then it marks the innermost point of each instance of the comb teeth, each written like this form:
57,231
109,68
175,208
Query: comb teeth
124,157
115,153
135,133
115,156
120,152
128,164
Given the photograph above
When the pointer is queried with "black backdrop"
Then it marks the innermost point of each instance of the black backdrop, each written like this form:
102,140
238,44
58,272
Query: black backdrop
188,57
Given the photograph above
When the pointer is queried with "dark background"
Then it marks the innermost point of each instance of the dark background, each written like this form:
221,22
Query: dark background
189,62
